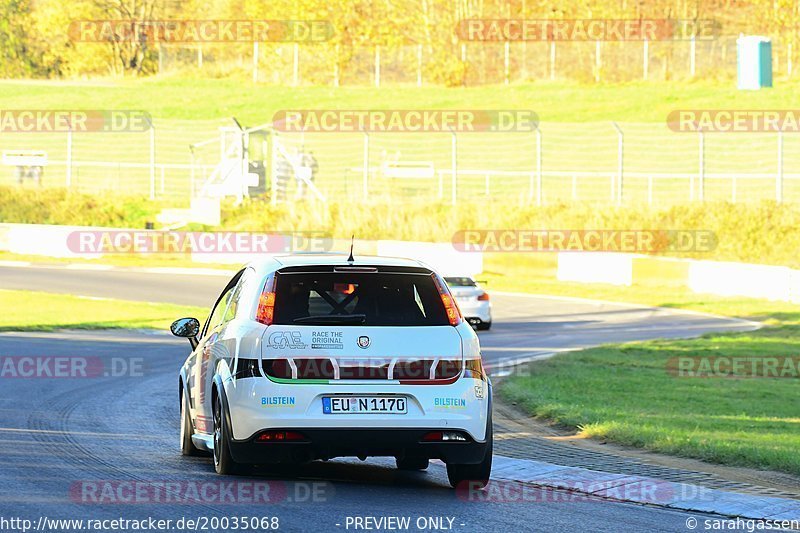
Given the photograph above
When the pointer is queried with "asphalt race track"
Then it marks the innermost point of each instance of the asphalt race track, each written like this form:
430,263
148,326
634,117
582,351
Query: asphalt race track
105,446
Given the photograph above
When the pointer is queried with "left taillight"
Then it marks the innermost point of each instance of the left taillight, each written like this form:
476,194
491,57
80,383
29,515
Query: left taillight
265,313
450,306
279,436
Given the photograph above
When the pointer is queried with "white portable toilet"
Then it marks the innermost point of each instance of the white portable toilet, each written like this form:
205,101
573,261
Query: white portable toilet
753,62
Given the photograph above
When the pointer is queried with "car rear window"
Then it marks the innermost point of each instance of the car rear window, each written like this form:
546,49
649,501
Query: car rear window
460,282
379,299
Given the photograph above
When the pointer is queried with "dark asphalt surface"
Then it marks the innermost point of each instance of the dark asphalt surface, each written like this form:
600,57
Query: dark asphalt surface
524,326
75,447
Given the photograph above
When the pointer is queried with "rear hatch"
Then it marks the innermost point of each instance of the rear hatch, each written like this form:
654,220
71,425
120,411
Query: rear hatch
337,324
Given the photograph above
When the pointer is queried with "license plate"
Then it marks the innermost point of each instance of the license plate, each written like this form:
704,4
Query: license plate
356,405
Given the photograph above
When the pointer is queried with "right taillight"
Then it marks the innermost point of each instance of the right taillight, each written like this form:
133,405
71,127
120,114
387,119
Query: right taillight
266,302
484,297
279,436
450,306
473,368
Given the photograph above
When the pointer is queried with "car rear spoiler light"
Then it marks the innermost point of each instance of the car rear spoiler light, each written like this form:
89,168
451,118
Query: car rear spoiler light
450,305
265,313
418,371
354,269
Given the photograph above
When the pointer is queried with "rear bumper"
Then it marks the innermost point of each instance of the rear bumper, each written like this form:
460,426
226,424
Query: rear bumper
481,311
329,443
256,404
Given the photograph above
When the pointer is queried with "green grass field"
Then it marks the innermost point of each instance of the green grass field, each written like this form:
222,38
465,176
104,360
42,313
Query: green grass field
625,394
211,99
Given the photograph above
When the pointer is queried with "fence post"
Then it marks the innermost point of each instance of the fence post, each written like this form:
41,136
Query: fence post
506,61
789,60
199,57
645,59
419,65
701,185
273,182
464,64
552,60
598,62
255,61
538,168
377,65
336,68
365,184
620,157
454,166
152,160
243,165
191,172
296,65
779,177
692,56
69,157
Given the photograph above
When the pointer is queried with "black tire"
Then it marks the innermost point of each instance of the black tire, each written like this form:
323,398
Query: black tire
223,461
412,463
187,446
484,326
476,475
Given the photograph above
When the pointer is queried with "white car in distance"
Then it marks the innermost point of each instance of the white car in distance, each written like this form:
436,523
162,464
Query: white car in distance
472,300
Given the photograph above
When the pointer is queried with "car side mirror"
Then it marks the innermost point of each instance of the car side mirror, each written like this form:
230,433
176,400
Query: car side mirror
186,327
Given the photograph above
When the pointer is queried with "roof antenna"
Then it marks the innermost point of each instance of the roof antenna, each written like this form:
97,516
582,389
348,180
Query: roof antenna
352,240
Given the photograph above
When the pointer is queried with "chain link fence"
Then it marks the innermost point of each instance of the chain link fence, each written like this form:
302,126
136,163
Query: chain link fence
629,163
475,63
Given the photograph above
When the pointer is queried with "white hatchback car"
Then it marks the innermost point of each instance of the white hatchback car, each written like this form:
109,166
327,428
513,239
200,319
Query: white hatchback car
308,357
472,300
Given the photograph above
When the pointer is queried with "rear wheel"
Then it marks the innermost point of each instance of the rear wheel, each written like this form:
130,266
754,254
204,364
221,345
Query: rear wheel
476,475
223,461
483,326
187,446
412,463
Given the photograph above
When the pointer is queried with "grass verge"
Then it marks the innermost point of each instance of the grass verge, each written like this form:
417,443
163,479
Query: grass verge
625,393
42,311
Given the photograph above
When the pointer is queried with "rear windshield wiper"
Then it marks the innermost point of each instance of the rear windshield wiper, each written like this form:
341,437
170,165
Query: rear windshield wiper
353,320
